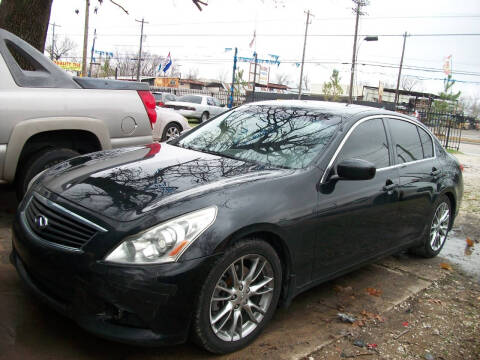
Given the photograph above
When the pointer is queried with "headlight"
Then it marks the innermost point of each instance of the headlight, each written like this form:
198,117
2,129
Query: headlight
165,242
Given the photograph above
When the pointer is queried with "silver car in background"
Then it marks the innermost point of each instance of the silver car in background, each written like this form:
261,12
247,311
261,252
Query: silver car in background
201,107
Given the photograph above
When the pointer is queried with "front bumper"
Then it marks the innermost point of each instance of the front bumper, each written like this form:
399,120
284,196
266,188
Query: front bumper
145,305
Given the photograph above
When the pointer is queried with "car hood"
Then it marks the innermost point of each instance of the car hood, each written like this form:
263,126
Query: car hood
124,184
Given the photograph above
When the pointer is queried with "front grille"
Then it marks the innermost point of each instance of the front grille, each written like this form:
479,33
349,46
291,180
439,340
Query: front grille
62,227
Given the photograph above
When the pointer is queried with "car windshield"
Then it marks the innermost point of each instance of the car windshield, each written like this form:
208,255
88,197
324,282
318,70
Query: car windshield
190,99
289,137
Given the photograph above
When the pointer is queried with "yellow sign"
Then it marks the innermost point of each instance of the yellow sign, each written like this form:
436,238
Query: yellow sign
166,82
68,65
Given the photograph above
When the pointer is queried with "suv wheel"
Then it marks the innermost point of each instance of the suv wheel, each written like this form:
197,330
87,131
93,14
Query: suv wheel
238,298
38,163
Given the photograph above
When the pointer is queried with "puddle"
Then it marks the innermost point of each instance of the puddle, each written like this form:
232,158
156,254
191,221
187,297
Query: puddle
459,253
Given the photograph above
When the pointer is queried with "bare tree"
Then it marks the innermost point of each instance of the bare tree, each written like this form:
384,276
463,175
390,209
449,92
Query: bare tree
192,74
222,75
282,78
62,48
408,83
471,105
306,81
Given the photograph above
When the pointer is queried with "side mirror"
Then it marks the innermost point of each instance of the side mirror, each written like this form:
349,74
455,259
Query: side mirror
355,169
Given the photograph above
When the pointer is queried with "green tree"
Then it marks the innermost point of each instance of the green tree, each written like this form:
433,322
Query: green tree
332,89
240,82
448,99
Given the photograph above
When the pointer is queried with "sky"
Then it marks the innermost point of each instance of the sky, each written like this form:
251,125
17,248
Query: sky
198,39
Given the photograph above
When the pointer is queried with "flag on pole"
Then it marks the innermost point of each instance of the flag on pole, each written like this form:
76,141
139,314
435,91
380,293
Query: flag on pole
167,63
446,65
254,37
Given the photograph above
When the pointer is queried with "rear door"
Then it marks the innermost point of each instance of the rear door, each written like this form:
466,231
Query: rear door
357,219
418,171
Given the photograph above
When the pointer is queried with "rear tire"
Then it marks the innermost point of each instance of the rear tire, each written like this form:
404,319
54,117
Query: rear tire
171,131
439,225
37,163
248,303
205,116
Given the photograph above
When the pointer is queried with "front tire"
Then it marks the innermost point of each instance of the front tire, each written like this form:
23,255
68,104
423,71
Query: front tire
238,298
38,163
440,222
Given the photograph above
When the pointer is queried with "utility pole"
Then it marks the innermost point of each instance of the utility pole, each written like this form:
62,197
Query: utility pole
303,55
91,54
53,40
85,38
140,50
350,91
400,69
254,75
230,98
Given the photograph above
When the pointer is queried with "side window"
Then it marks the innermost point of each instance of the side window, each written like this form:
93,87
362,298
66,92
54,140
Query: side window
210,102
368,141
427,144
407,141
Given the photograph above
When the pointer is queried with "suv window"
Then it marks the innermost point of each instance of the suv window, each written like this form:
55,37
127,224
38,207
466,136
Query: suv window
407,141
427,144
368,142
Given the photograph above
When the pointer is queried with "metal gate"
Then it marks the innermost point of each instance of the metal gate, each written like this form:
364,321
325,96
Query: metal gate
446,127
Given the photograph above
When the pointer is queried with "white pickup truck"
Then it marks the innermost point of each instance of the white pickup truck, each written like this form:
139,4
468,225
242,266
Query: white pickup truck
47,116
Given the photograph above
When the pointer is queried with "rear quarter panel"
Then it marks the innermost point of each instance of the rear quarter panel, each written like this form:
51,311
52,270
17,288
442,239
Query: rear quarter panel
41,109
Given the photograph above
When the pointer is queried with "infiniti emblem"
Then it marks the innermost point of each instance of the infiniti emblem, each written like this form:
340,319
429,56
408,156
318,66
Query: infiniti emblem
41,221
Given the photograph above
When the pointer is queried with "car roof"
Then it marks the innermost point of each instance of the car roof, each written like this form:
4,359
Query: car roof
346,111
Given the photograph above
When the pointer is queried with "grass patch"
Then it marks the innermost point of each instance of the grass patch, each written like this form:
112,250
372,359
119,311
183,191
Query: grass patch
193,122
451,151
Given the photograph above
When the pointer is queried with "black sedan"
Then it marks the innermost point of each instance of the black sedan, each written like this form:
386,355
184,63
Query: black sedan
208,234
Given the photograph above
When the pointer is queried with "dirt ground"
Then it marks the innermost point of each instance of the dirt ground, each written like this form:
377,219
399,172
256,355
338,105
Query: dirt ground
443,320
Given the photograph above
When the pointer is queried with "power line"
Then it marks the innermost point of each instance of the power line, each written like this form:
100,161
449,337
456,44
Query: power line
289,35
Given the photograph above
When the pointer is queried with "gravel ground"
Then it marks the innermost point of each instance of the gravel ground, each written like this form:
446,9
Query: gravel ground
440,322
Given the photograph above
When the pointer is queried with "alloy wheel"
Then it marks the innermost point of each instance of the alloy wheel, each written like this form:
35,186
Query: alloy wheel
242,297
172,133
439,228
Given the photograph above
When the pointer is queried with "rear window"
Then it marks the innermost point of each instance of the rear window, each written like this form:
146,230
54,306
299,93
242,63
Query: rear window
407,141
427,144
191,99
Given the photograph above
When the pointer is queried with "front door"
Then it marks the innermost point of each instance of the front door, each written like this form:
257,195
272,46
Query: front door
357,219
